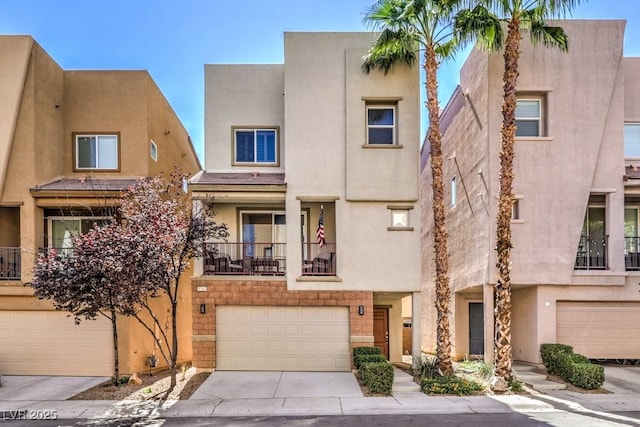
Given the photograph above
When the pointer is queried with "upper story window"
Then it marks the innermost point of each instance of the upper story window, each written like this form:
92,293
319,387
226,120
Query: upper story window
153,147
632,140
381,124
256,146
96,151
529,117
454,192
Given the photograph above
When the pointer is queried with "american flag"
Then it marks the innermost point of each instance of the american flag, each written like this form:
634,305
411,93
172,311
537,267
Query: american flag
320,229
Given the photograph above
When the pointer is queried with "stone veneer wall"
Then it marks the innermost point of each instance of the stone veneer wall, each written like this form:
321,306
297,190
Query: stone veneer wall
258,293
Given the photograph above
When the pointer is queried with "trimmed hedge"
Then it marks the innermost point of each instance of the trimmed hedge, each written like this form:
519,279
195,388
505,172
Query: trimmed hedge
450,384
363,359
357,351
574,368
377,376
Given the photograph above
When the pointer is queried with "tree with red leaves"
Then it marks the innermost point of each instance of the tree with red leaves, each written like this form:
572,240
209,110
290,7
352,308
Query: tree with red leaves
119,268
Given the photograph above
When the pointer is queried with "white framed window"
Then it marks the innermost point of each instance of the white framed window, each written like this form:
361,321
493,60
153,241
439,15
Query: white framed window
454,191
381,124
255,146
529,117
96,151
153,147
632,140
62,229
515,209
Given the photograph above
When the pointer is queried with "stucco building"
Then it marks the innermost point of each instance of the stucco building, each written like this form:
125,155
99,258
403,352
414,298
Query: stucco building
70,141
289,146
575,218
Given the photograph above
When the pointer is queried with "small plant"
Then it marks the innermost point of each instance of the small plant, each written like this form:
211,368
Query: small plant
147,390
122,380
450,385
362,359
378,377
477,366
515,385
426,367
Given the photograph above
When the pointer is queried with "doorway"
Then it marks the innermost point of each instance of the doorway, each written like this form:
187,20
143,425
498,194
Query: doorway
381,329
476,328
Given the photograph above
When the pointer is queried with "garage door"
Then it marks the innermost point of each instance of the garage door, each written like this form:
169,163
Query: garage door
282,338
600,330
50,343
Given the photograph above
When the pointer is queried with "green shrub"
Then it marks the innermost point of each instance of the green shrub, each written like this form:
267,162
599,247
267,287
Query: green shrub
515,385
362,359
426,367
121,380
378,377
586,375
549,354
574,368
365,350
450,385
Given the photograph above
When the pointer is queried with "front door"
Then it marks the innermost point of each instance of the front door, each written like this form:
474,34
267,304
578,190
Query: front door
476,328
381,329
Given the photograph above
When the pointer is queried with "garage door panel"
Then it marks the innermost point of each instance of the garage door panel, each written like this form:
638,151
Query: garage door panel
605,330
289,338
50,343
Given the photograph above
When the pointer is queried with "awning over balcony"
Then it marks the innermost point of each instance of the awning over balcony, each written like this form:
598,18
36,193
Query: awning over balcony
255,187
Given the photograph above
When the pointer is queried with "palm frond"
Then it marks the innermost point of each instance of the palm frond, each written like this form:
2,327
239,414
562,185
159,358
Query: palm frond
479,24
391,48
549,36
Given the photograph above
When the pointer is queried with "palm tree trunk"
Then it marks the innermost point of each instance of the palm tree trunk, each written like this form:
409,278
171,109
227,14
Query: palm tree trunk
505,203
443,293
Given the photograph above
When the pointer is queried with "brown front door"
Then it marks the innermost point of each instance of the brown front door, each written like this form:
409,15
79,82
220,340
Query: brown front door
381,329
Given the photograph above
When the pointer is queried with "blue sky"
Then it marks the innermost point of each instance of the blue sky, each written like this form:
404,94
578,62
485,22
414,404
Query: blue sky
174,39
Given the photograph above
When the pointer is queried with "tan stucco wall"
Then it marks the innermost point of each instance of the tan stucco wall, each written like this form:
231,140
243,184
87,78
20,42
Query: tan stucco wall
45,105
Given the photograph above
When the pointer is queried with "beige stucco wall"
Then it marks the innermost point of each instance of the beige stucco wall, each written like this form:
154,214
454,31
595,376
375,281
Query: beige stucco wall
45,105
589,92
241,95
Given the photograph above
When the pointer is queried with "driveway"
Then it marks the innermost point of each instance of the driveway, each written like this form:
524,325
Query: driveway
270,384
622,379
37,387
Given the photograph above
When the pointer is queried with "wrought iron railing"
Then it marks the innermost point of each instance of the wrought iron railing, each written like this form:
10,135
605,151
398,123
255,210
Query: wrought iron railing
254,259
592,253
632,253
9,263
319,260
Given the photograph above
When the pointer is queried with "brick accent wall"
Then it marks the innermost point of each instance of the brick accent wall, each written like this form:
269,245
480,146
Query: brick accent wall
234,292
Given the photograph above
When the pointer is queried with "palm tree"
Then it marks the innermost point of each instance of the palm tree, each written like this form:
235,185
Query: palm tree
406,27
484,21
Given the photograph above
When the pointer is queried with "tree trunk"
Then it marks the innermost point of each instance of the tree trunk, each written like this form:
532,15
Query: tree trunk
443,292
505,204
116,362
174,339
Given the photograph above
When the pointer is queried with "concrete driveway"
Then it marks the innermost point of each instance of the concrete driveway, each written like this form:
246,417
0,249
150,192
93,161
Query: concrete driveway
36,387
622,379
268,384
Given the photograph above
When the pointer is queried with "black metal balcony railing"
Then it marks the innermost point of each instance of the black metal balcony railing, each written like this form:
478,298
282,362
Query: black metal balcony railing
319,261
10,263
592,253
256,259
632,253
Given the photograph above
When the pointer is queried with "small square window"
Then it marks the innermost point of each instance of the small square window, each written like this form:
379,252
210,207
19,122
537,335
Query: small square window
381,125
96,151
154,151
256,146
529,117
400,217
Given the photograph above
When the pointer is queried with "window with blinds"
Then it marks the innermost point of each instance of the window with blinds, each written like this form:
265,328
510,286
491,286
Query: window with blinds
529,117
632,140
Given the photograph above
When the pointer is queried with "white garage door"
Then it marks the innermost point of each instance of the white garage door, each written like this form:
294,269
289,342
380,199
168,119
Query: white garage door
282,338
50,343
600,330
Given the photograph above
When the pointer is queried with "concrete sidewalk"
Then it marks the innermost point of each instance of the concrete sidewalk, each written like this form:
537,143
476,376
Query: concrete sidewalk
318,394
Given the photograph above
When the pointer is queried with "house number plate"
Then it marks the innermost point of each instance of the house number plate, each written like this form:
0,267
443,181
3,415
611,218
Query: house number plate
201,289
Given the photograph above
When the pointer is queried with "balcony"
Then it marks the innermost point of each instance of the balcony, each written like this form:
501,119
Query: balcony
319,261
247,259
10,263
592,253
632,253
